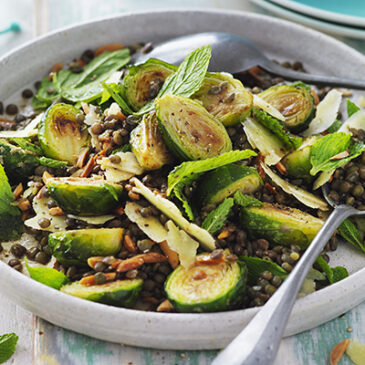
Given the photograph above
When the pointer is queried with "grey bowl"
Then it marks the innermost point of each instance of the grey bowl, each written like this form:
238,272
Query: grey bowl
279,39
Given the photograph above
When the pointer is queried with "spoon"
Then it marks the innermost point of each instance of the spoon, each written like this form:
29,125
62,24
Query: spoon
259,341
235,55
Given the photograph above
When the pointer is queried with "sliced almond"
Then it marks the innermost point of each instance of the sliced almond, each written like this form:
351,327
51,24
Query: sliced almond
165,306
338,351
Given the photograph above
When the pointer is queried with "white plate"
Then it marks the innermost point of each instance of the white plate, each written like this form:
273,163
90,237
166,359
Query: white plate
346,12
321,25
277,38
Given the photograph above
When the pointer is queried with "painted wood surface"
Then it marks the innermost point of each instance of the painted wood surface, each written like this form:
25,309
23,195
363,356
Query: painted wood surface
40,342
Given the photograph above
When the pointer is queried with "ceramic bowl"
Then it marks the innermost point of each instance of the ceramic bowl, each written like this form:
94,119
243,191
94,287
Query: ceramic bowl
279,39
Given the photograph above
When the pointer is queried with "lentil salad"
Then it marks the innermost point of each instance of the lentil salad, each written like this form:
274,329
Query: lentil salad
111,153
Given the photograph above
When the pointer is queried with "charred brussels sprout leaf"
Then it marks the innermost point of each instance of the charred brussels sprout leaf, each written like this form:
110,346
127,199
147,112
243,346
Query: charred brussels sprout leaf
143,82
84,196
75,247
280,225
120,293
189,130
148,145
18,163
295,102
225,98
60,134
207,288
11,225
225,181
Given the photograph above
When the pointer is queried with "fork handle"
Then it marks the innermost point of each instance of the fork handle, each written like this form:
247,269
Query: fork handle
258,343
320,80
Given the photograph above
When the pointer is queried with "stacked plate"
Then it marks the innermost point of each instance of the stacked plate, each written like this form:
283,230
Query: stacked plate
345,18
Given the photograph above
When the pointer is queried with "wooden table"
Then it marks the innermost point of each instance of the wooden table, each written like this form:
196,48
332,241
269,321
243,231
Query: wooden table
42,343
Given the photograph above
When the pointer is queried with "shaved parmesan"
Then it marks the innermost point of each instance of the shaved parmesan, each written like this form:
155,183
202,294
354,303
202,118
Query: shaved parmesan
268,108
308,199
262,139
172,211
151,226
180,242
28,131
101,219
124,170
40,207
326,113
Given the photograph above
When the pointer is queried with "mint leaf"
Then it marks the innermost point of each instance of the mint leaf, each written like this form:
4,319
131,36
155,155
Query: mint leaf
333,274
277,128
246,200
47,276
86,85
351,234
191,170
334,127
215,220
113,91
125,148
352,108
11,224
256,266
26,145
187,79
7,346
331,145
50,162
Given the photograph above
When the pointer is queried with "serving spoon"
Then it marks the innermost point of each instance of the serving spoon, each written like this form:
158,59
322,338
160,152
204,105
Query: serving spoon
235,55
259,341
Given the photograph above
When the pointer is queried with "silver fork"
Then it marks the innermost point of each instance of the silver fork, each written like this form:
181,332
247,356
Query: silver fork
259,341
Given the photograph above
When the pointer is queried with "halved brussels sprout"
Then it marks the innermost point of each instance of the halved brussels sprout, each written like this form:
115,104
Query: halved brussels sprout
148,145
18,163
143,82
298,164
295,102
280,225
84,196
210,287
225,98
225,181
189,130
74,247
120,293
60,134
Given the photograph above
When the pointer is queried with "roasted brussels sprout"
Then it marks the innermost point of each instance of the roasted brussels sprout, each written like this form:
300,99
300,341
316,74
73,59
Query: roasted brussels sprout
143,82
84,196
295,102
298,164
18,163
210,287
74,247
280,225
121,293
189,130
148,145
225,98
60,134
225,181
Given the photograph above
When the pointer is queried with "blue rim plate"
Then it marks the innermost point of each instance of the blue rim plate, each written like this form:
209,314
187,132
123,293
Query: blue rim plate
350,12
321,25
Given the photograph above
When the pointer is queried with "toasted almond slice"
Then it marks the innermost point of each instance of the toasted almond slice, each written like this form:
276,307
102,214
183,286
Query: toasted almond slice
109,48
56,211
129,244
46,175
18,191
165,306
90,280
88,167
130,264
82,158
338,351
172,256
23,204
